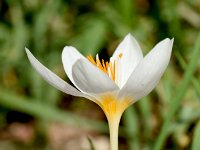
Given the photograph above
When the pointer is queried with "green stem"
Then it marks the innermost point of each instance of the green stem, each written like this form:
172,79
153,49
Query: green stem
114,127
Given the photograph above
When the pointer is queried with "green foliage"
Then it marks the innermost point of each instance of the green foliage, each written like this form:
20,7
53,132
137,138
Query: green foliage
195,143
179,94
165,119
91,143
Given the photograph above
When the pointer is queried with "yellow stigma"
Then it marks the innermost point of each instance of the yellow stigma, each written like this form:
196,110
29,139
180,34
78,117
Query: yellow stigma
109,68
113,107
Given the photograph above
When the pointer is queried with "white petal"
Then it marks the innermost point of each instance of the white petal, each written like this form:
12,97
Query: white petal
148,72
69,56
90,79
131,55
52,78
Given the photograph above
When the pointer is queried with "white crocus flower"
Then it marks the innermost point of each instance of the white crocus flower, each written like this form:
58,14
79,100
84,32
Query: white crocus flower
113,85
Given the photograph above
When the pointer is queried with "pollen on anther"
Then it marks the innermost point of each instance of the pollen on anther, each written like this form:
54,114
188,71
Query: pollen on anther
110,68
120,55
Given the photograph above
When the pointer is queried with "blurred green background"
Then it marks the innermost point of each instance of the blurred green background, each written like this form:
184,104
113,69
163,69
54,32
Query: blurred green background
35,116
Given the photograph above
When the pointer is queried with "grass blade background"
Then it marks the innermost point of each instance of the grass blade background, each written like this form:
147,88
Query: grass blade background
45,27
196,137
195,81
48,113
181,89
131,123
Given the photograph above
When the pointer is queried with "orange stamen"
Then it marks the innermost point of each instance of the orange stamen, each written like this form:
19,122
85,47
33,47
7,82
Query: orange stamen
110,68
91,59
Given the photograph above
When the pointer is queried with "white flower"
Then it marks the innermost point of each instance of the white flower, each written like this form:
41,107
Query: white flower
113,85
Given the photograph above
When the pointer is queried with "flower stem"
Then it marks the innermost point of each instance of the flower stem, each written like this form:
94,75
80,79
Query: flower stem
113,127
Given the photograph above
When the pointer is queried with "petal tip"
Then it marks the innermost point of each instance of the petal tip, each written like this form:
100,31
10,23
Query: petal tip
129,36
28,53
172,40
166,42
65,51
27,50
65,48
68,49
70,52
167,39
129,39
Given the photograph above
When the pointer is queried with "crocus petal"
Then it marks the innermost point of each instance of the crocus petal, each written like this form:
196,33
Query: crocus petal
131,55
53,79
148,72
90,79
69,56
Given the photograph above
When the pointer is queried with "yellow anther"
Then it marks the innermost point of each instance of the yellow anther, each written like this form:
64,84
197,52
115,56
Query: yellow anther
109,68
91,59
120,55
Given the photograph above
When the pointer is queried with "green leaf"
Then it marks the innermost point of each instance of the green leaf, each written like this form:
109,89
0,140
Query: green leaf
145,109
195,81
127,11
179,94
48,113
91,143
92,37
131,123
196,137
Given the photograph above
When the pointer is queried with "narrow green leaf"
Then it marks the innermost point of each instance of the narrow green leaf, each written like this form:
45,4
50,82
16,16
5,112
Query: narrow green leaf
145,109
91,38
127,11
196,137
195,81
91,143
179,94
48,113
132,128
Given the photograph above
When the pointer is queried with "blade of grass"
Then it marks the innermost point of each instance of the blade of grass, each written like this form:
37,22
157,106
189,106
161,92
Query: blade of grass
41,24
91,143
131,124
195,81
172,17
180,92
43,111
196,137
145,110
127,11
92,36
116,22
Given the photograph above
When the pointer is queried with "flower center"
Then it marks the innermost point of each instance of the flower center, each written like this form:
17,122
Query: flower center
112,107
109,68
